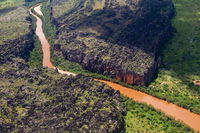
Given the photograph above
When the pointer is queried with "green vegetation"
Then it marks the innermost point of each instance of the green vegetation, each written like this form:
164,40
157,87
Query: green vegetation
10,4
142,118
62,7
48,27
181,59
35,99
59,61
169,85
97,34
35,58
13,20
43,100
15,33
181,64
36,54
30,3
49,30
96,24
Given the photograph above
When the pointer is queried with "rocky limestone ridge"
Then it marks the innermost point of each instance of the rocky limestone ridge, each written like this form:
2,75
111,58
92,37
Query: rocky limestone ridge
117,38
19,47
41,100
16,33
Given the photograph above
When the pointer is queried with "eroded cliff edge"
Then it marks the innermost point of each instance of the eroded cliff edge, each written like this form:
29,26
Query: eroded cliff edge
16,33
41,100
37,99
117,38
16,38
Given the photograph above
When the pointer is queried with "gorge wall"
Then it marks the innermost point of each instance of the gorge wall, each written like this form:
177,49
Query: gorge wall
19,47
37,99
117,38
16,33
41,100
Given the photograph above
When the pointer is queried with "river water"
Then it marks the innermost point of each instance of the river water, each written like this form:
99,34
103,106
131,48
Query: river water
172,110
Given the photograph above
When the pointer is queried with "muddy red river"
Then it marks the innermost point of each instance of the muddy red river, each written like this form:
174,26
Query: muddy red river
172,110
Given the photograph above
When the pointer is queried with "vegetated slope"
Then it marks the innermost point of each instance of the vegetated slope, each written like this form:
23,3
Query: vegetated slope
181,59
15,39
144,119
148,124
30,3
40,100
6,4
35,99
113,37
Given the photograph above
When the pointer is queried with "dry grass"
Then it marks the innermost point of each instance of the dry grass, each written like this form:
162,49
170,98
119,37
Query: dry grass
10,3
63,7
13,24
98,4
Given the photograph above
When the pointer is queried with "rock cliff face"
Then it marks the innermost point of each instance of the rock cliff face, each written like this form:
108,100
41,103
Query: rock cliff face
36,99
19,47
41,100
16,37
117,38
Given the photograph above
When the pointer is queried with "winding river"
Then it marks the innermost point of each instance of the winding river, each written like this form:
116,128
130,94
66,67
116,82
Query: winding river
170,109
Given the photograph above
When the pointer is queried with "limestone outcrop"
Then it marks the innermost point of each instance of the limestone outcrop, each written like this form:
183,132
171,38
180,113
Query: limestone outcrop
118,38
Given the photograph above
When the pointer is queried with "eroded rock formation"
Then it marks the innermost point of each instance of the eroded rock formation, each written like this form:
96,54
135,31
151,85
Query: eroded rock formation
117,38
16,36
41,100
19,47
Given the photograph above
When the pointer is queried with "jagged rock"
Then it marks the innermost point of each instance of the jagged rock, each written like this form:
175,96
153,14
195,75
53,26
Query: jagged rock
120,39
57,47
19,47
50,102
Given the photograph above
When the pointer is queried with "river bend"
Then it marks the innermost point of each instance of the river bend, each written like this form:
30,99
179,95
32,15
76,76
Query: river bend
170,109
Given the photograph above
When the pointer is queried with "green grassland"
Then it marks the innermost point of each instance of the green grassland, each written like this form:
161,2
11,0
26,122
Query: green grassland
181,57
141,118
13,20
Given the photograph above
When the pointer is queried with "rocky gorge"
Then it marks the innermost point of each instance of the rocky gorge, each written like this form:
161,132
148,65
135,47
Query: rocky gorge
110,37
37,99
16,34
19,47
41,100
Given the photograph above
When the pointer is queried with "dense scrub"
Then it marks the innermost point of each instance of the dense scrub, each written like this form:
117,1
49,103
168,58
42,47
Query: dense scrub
139,118
38,99
36,55
111,37
180,65
145,119
181,59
